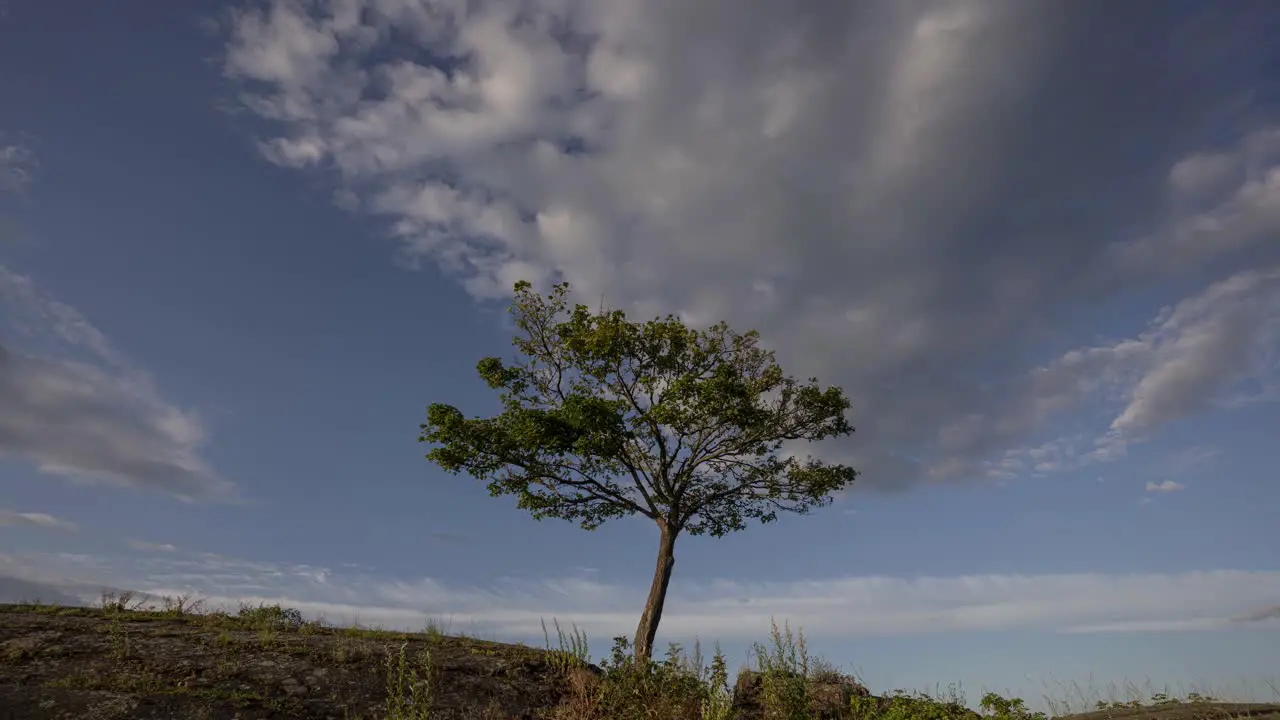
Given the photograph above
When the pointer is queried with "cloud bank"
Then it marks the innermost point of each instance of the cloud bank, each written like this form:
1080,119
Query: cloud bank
724,609
911,200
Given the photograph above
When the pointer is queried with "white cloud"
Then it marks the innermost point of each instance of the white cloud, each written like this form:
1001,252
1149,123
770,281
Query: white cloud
1203,345
902,197
1165,486
1200,354
12,517
718,608
77,407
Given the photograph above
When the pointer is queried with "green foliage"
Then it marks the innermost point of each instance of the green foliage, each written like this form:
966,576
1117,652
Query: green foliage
571,650
904,706
784,673
1000,708
603,417
637,689
410,685
270,617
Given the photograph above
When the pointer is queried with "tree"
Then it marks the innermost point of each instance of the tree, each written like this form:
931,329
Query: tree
604,418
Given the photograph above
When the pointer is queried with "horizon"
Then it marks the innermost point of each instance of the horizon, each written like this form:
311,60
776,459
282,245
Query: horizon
244,245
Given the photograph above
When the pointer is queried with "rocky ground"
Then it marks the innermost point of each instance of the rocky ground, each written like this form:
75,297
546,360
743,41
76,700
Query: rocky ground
65,663
82,664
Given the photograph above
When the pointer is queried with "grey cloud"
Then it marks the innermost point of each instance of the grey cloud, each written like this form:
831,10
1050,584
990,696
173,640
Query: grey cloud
19,590
43,520
97,418
907,199
1270,613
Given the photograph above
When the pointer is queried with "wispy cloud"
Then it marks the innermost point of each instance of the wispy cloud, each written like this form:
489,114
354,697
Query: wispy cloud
727,609
12,517
891,194
152,547
17,163
1191,358
1165,486
76,406
1184,461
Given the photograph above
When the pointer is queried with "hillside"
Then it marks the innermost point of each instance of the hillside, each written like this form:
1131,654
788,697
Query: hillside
72,663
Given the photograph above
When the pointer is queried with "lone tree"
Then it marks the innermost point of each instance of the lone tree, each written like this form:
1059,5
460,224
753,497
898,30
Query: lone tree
604,417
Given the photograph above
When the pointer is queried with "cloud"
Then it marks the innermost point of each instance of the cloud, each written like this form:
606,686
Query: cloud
907,199
151,547
1201,354
831,607
16,167
78,407
1228,333
1224,201
17,590
1267,613
1193,457
12,518
1165,486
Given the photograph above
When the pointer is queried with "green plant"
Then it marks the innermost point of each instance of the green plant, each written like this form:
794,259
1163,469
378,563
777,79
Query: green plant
571,650
784,674
270,616
119,638
435,629
605,418
719,699
1000,708
409,685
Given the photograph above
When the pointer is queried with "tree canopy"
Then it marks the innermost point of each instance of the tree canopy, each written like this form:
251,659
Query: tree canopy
603,417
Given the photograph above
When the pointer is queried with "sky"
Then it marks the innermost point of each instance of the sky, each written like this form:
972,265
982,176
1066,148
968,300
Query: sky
243,245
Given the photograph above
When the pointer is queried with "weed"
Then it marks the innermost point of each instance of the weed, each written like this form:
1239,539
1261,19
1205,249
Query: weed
784,674
409,685
180,605
571,650
126,601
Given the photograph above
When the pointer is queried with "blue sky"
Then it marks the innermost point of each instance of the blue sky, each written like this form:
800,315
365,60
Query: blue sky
243,246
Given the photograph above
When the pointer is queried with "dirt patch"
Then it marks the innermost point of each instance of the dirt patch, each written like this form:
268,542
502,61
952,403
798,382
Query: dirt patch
85,664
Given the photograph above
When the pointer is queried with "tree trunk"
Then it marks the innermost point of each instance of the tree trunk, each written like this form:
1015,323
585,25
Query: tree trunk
648,627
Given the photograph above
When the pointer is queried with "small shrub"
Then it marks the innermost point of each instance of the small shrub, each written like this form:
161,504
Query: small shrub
272,617
124,601
180,605
1001,708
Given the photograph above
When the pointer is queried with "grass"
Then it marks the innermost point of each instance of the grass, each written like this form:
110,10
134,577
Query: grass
783,682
